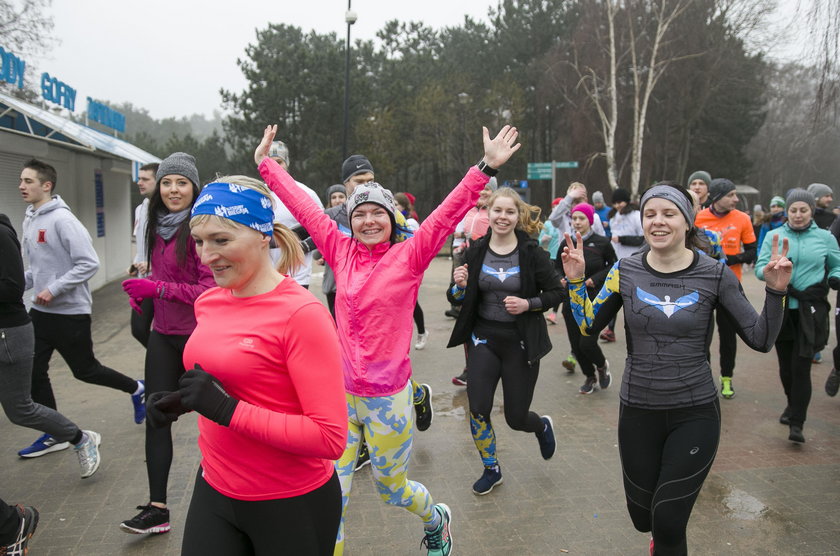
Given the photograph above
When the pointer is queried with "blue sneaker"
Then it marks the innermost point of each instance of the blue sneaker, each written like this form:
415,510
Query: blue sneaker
546,438
439,541
139,402
45,444
491,477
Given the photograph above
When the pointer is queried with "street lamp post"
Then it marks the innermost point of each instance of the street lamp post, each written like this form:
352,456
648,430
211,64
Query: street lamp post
463,99
350,17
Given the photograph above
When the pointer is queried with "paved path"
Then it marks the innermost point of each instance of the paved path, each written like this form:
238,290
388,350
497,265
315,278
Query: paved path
764,495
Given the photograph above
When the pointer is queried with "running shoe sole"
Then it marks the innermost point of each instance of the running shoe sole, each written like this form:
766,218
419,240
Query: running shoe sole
157,529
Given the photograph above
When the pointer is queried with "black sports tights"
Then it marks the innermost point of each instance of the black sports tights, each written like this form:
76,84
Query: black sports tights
305,524
665,457
164,366
500,355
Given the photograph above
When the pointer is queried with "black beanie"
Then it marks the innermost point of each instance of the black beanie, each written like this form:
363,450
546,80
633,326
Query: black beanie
620,195
355,164
720,188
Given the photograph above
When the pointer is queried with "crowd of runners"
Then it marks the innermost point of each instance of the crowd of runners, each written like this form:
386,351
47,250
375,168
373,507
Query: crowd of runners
294,397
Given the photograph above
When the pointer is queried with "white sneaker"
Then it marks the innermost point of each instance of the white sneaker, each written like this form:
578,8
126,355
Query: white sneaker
421,340
88,453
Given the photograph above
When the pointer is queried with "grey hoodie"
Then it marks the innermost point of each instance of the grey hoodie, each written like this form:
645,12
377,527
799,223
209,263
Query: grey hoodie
61,258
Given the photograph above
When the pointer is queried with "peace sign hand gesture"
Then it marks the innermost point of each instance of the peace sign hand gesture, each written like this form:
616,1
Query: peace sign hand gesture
572,256
778,270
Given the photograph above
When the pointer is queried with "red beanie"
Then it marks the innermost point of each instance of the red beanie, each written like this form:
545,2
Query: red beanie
586,209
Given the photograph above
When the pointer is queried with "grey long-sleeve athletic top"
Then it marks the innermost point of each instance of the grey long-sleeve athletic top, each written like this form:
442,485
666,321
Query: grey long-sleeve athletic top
668,319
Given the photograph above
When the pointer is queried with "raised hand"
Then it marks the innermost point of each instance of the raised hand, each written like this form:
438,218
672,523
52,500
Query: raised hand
498,150
779,268
265,145
572,256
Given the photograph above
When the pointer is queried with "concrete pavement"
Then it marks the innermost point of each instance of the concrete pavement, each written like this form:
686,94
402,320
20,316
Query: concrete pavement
764,495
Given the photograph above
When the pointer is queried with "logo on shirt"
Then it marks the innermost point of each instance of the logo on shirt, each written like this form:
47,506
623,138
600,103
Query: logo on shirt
42,236
501,274
666,305
248,343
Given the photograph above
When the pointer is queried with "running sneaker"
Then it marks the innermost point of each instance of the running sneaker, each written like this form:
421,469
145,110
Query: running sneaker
461,379
139,403
588,386
817,358
439,541
784,418
28,523
151,519
88,453
570,363
832,383
548,444
604,376
551,317
607,336
726,387
45,444
421,340
491,477
454,312
423,410
364,456
796,434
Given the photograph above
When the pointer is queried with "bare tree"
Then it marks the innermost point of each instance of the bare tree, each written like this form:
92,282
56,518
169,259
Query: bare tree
823,17
26,27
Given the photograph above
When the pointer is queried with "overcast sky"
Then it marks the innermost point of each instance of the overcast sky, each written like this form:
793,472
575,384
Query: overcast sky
172,56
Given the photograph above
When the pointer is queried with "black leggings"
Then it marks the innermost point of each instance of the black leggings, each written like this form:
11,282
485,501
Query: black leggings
418,318
585,348
500,355
141,323
794,369
305,524
728,343
164,366
665,457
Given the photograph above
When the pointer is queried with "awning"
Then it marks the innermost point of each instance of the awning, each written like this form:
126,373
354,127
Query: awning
24,118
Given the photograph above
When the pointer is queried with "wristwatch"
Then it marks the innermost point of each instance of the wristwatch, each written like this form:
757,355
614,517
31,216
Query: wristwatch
486,168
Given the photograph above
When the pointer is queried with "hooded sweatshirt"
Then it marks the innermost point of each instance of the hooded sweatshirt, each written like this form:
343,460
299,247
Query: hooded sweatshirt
61,257
12,311
377,287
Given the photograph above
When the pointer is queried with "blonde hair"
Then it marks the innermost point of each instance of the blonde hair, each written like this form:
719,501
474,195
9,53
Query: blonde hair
291,254
529,215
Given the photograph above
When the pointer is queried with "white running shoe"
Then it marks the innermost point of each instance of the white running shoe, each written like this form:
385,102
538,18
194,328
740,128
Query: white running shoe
421,340
88,453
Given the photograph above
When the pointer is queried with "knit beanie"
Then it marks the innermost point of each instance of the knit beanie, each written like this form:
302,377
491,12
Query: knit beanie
700,175
598,197
819,190
279,150
620,196
586,209
777,202
799,194
355,164
371,192
719,188
337,188
182,164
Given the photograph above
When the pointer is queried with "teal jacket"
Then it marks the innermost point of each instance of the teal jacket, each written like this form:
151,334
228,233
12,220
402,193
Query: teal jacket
813,252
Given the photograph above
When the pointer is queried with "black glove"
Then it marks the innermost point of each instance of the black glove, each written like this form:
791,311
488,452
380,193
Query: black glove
200,391
163,408
834,283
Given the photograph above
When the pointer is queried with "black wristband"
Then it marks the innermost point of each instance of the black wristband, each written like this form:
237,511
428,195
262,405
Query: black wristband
486,168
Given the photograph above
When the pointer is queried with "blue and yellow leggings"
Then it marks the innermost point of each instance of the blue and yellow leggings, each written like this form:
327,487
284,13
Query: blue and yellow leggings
388,427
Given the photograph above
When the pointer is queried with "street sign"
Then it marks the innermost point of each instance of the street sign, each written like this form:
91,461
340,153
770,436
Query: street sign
568,164
540,171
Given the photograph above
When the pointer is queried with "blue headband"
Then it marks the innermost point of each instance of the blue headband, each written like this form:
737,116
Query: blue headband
234,202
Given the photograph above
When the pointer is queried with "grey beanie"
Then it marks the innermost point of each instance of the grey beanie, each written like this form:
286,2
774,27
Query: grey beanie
279,150
719,188
355,164
371,192
182,164
597,197
337,188
799,194
700,175
820,190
